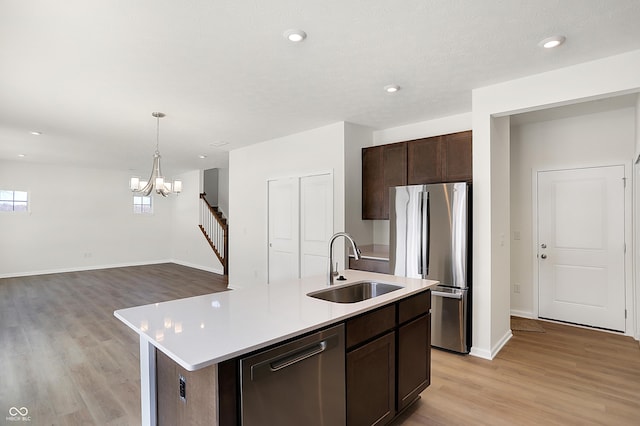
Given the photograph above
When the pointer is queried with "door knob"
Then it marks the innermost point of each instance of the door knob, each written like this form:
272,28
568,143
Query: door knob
544,256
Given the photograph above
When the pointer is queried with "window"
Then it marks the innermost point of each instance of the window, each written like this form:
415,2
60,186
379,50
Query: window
142,204
13,201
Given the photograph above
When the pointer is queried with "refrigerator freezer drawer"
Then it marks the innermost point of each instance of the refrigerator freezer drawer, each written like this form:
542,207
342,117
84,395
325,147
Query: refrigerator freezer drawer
449,319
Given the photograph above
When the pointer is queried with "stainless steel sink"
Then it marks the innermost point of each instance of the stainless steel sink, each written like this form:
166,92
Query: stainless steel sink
356,292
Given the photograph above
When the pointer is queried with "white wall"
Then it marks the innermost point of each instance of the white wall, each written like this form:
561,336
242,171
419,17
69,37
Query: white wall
491,274
223,191
356,138
210,186
83,219
317,150
79,219
500,248
597,139
189,247
424,129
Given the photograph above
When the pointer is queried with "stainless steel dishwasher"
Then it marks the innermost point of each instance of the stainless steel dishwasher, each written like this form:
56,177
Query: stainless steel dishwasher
298,383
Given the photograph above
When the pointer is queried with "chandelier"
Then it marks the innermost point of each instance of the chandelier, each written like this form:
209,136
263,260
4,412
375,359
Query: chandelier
156,180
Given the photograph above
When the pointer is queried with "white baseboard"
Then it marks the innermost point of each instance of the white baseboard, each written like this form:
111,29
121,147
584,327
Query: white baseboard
522,314
200,267
503,341
485,354
81,268
480,353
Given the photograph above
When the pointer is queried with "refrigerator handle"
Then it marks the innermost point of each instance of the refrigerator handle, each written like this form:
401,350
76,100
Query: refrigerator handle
425,235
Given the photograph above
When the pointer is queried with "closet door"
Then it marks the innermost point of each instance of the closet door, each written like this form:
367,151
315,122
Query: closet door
284,229
316,223
300,225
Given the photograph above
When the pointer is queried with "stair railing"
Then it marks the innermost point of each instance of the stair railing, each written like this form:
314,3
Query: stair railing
215,228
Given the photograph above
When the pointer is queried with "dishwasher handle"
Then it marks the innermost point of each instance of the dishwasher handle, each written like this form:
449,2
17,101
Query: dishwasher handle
283,361
286,361
446,295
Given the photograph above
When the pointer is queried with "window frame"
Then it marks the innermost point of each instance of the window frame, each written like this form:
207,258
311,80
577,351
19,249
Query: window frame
13,201
138,208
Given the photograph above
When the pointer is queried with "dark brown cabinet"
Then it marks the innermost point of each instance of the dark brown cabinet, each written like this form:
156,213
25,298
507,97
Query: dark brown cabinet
413,360
372,183
370,365
424,160
456,157
371,382
382,167
414,348
388,360
445,158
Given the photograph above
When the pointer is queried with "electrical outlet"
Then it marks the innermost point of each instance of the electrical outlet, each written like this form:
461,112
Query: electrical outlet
516,288
183,388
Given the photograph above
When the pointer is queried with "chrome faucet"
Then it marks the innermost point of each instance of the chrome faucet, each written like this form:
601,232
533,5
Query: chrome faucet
356,253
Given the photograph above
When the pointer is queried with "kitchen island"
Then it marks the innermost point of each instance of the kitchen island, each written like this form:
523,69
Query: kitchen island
216,329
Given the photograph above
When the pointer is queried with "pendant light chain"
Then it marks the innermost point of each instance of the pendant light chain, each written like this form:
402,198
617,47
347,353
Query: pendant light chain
157,134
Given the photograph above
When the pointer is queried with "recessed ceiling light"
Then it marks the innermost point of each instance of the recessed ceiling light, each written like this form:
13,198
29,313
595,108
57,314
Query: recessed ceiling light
551,42
295,35
202,156
36,133
21,155
391,88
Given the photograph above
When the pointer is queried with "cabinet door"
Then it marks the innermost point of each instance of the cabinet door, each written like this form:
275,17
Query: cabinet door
424,161
382,167
372,182
395,171
371,382
414,359
456,154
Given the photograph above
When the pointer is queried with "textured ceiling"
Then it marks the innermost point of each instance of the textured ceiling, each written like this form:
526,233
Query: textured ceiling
88,73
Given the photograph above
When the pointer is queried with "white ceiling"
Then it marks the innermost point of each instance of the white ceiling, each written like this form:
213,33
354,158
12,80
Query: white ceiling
89,73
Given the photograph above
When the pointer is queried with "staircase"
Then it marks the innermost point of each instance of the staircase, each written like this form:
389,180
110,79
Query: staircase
215,229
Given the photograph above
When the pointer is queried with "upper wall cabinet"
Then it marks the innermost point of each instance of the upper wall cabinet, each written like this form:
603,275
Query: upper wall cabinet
425,160
445,158
437,159
456,157
383,166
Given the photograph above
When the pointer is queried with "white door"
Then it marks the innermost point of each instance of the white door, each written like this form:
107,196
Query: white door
316,223
581,246
284,245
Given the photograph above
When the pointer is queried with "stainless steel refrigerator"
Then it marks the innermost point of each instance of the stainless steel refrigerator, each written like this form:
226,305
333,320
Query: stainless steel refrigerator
429,238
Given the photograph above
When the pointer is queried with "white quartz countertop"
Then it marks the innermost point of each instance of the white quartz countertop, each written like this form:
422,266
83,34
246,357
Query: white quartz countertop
200,331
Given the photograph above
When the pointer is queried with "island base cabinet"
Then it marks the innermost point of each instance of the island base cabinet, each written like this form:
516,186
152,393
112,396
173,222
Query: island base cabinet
371,382
414,360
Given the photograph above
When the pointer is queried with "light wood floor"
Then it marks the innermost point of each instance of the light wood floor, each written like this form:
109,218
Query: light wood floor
65,357
564,376
69,361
